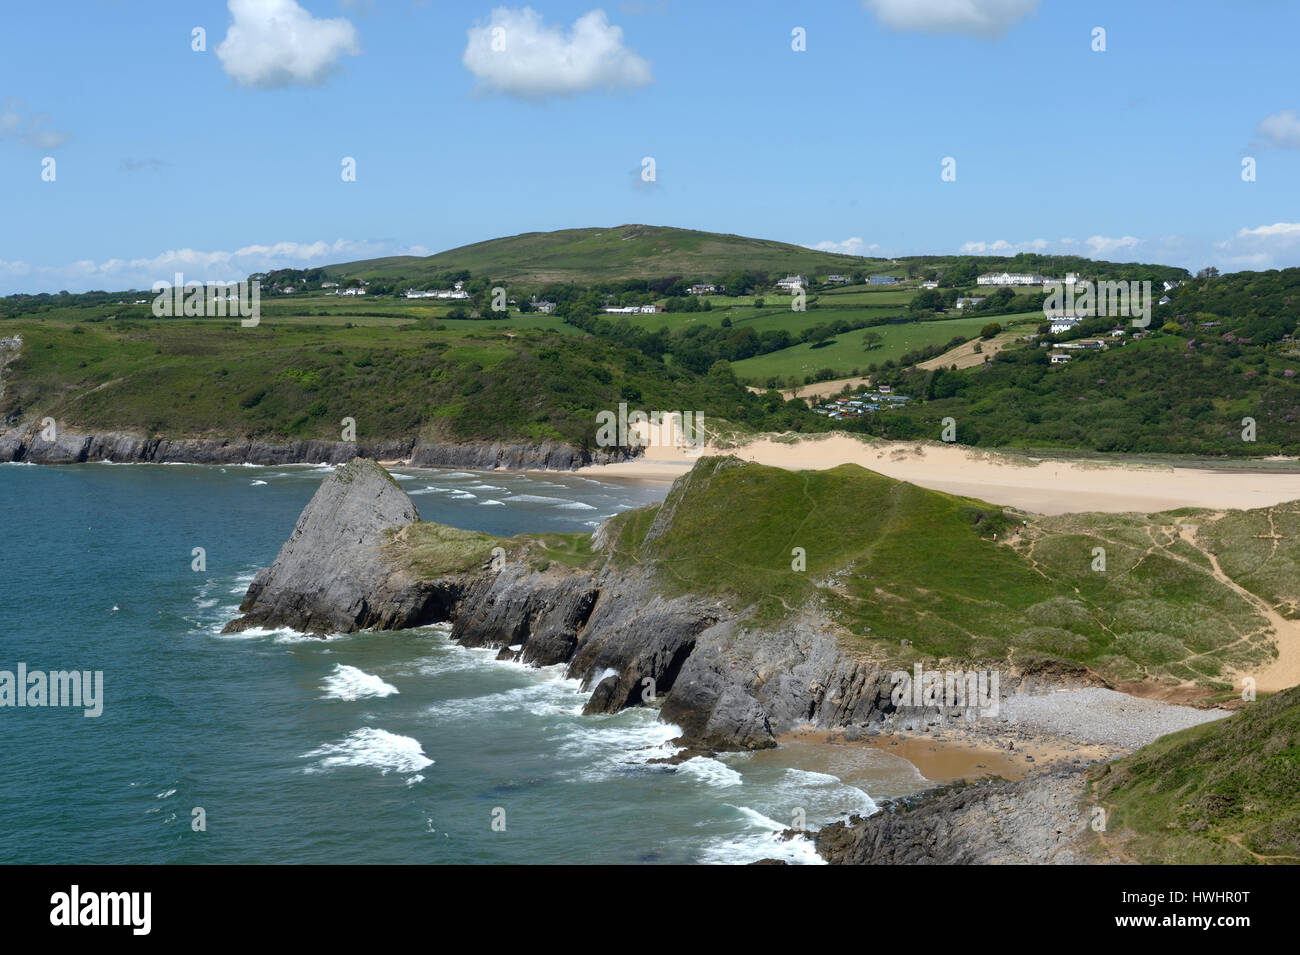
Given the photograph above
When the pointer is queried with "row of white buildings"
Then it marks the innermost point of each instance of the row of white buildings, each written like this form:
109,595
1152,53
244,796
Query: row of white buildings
1023,278
456,292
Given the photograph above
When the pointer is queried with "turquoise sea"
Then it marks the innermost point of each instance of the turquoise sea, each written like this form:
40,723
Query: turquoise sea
395,747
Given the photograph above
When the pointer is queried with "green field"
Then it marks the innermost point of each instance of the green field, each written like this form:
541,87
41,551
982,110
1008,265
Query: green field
845,352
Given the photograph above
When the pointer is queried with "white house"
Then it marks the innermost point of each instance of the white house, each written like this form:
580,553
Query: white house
1060,325
839,279
702,289
968,302
1008,278
1059,358
354,291
792,282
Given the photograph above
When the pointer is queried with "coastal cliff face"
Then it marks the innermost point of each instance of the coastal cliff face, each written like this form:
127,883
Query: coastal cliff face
1039,820
332,575
122,448
727,685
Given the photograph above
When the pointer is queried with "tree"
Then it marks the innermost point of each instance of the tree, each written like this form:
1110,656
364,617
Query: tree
989,330
871,340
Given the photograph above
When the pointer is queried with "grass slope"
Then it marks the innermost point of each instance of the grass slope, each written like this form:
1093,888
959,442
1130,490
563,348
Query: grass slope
1223,792
297,381
888,561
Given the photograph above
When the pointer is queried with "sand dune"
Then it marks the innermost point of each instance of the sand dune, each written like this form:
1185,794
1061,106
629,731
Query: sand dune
1046,487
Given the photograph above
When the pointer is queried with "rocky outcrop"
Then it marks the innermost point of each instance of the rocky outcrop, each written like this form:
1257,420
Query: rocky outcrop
71,447
331,576
1039,820
10,349
728,686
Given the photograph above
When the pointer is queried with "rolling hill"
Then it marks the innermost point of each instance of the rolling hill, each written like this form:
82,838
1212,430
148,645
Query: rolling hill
601,254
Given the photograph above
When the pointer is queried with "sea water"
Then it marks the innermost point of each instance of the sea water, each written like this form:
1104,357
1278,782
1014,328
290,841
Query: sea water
274,747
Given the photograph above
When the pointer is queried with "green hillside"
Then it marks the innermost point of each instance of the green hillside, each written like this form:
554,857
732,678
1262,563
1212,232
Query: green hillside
181,378
1223,792
601,254
888,561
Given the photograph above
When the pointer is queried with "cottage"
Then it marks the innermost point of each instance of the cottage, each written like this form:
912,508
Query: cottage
792,282
705,289
838,279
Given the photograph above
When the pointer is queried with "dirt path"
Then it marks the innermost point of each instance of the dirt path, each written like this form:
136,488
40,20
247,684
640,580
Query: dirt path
965,356
819,389
1283,672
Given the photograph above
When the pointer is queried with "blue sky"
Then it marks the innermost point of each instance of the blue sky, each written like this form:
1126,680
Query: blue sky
225,161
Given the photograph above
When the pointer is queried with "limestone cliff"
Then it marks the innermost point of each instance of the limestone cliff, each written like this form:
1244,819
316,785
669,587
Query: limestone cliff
331,575
727,685
73,447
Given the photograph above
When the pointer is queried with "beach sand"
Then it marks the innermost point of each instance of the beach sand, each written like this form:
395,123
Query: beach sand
1045,487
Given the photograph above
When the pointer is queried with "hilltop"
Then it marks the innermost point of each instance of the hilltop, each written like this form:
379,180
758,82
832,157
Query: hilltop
602,254
633,251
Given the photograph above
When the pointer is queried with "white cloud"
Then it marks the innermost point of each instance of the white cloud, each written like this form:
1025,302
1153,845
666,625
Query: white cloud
1263,247
851,246
515,53
1280,129
197,265
1103,247
1096,247
983,18
1003,247
32,129
275,43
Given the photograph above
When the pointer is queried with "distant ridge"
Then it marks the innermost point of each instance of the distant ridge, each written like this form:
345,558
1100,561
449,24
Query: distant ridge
632,251
608,253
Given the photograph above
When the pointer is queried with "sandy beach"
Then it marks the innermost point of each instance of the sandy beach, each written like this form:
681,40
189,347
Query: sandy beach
1045,487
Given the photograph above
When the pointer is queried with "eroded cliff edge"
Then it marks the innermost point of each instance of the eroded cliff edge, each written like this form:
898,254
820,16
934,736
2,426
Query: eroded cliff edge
359,559
120,447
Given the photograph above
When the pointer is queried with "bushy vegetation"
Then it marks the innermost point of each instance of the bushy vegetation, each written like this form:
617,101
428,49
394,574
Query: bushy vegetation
1223,792
180,378
1228,355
